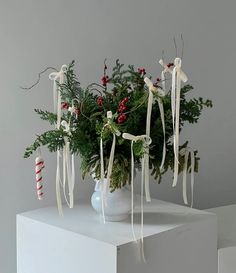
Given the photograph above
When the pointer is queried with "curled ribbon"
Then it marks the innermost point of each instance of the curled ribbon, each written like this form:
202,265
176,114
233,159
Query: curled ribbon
160,93
58,77
105,183
146,142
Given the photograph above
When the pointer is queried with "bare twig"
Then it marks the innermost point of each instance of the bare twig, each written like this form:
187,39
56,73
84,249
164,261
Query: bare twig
176,51
182,53
39,77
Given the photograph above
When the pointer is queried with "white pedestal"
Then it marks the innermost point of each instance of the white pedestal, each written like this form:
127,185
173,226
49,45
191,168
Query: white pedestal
176,240
226,238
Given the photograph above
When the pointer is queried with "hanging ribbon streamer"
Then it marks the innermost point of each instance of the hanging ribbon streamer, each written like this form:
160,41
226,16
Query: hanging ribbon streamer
161,107
146,142
58,77
68,167
188,153
160,93
105,183
177,76
192,176
185,168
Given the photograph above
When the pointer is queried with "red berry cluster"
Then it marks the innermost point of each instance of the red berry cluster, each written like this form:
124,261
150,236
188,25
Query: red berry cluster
100,101
105,80
64,105
170,65
122,118
142,71
122,107
156,84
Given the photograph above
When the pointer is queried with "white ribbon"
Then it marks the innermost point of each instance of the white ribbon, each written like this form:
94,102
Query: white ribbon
161,93
186,152
102,179
105,183
183,76
146,142
58,77
177,76
68,168
185,198
192,177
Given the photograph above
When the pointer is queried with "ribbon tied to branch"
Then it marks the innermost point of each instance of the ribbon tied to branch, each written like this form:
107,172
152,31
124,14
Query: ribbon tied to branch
160,93
105,183
146,142
58,77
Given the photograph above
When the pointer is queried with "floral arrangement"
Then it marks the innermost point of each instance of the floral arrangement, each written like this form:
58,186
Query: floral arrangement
83,122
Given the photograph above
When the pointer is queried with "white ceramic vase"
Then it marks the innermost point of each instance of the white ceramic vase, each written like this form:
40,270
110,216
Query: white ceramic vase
118,203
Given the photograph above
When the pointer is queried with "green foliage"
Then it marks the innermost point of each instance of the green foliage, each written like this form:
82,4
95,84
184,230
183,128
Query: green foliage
88,127
45,115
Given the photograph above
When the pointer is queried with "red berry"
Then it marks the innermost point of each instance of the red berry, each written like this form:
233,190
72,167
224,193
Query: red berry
64,105
122,108
142,71
126,99
77,111
100,101
170,65
104,80
121,118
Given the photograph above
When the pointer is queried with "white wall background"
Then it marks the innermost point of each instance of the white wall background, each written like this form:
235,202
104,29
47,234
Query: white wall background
35,34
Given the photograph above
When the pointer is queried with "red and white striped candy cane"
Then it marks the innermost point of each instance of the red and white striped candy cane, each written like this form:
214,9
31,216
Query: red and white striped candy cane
39,165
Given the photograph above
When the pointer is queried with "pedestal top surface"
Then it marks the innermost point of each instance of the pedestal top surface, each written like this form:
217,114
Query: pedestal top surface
159,217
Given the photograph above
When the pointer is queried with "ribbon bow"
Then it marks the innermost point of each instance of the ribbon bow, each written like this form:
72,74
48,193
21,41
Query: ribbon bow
146,142
183,76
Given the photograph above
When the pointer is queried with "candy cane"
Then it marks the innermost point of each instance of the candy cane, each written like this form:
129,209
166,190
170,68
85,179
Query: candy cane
39,165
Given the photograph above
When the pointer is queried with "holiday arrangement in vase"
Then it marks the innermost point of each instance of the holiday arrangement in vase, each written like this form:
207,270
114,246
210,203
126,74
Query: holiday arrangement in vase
129,120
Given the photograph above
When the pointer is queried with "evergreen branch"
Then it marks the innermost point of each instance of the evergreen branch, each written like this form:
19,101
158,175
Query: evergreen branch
54,140
46,115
